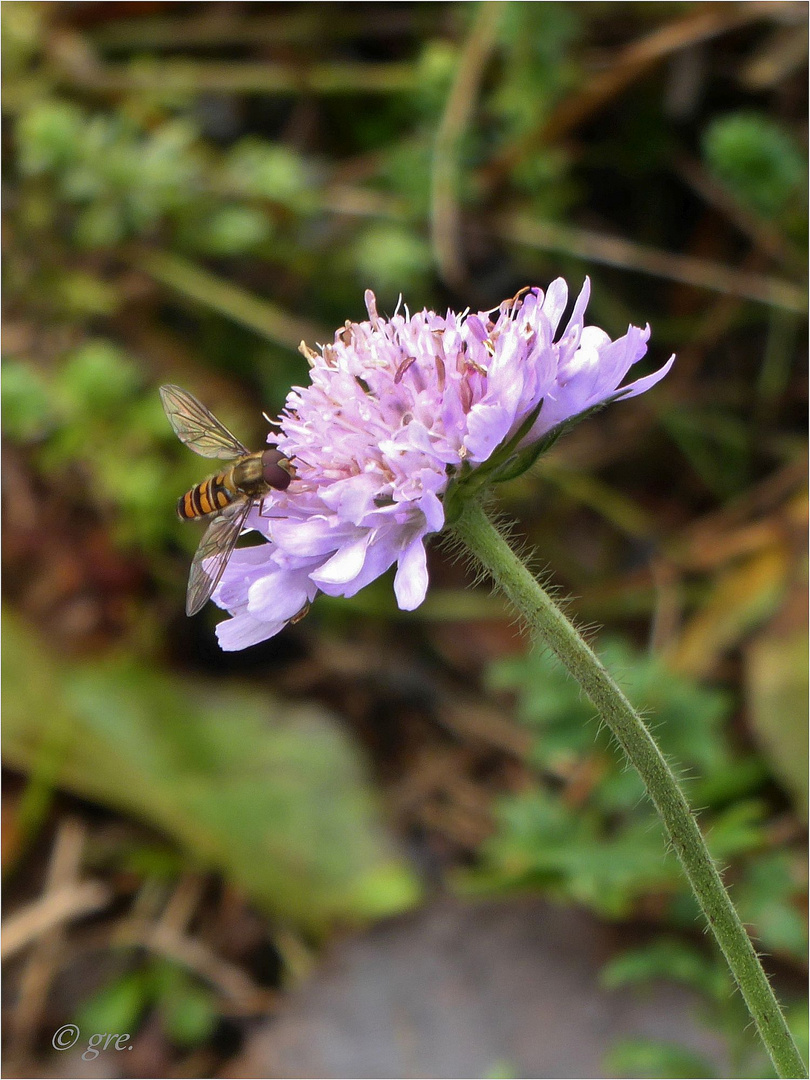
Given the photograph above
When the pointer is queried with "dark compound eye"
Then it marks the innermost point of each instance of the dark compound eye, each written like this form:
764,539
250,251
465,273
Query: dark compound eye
273,472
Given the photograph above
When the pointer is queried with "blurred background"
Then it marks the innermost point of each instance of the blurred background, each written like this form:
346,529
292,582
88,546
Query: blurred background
386,844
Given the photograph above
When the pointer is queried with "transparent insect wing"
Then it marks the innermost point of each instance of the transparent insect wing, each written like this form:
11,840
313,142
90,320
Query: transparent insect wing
211,558
197,426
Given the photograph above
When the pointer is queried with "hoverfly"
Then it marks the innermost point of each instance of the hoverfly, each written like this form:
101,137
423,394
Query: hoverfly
224,499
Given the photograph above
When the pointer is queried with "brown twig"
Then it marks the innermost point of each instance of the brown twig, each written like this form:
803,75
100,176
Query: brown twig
229,980
701,23
765,236
445,219
596,247
168,937
669,599
63,871
52,910
615,251
783,54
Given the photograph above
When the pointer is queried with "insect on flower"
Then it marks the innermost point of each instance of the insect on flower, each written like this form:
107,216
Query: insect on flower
224,499
403,420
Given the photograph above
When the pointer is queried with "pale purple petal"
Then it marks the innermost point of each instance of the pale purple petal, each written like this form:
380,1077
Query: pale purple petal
573,331
433,510
279,595
345,564
555,302
487,428
306,537
411,580
643,384
243,630
353,497
380,555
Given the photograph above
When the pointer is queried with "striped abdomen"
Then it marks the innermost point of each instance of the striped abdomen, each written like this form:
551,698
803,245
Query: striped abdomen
252,477
211,495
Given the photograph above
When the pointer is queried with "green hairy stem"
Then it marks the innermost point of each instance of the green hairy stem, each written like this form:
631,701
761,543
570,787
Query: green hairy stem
552,628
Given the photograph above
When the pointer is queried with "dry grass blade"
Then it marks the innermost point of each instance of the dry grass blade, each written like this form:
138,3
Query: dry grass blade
63,871
766,237
256,314
702,22
52,910
76,64
600,248
218,25
445,220
746,525
782,55
614,251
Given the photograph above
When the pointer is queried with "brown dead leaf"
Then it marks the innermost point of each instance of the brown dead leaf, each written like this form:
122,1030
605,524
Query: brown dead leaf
741,599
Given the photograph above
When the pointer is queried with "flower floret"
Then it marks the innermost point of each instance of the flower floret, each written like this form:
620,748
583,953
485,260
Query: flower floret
396,411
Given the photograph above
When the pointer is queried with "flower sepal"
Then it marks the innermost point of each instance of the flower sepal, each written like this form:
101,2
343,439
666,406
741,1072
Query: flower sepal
522,461
469,481
508,462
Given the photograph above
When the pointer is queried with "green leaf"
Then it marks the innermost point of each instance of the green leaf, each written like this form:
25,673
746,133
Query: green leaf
100,225
542,843
118,1006
27,408
798,1020
271,171
771,897
391,257
231,230
688,716
274,797
737,829
761,163
668,958
188,1011
48,135
589,834
97,378
651,1058
86,294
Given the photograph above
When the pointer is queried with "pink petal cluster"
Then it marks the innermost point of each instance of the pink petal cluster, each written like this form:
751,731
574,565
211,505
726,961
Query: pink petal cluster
394,409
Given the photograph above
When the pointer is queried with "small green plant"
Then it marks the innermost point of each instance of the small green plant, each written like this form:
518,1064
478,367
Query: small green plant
585,832
759,161
718,1008
187,1008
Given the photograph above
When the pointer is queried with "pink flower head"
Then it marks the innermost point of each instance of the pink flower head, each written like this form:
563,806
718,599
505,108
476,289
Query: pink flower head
396,411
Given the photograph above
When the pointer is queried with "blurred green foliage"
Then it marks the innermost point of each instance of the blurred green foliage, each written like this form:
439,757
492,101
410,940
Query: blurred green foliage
187,209
240,781
589,835
653,1058
721,1010
763,165
94,426
186,1008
